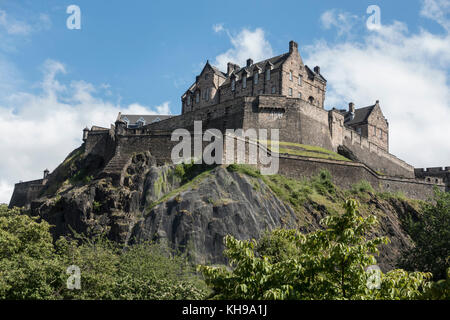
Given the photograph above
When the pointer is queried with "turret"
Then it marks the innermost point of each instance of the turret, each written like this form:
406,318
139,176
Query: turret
85,133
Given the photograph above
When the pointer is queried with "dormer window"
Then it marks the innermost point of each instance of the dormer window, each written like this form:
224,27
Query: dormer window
140,122
267,74
127,121
255,78
233,84
156,120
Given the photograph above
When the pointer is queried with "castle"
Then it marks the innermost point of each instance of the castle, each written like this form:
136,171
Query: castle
277,93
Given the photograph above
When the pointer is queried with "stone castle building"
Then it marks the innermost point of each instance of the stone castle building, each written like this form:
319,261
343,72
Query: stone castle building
277,93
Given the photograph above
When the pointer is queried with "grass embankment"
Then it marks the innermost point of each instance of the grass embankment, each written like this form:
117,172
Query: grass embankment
319,191
304,150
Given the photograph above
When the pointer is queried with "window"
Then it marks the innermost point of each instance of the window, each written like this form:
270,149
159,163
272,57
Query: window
233,84
381,133
299,95
299,80
274,89
267,74
197,97
261,91
244,81
207,94
311,100
206,76
188,100
290,92
358,130
255,78
290,75
140,122
318,90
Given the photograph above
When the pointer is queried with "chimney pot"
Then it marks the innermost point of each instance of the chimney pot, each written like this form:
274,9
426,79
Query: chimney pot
249,62
317,69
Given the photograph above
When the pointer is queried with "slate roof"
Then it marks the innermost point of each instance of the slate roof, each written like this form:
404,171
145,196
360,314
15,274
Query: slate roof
275,61
361,115
133,118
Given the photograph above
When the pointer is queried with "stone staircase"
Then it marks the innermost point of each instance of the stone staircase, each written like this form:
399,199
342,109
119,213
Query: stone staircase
115,166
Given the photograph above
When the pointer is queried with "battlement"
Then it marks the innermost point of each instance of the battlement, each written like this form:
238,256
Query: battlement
432,170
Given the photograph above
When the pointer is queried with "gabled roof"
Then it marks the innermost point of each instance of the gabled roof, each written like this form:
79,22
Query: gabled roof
361,115
275,62
313,74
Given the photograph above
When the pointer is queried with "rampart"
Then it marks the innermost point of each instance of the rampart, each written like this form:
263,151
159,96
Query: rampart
25,192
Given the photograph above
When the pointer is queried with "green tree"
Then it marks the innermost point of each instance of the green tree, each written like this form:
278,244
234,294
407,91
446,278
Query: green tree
431,236
29,267
325,264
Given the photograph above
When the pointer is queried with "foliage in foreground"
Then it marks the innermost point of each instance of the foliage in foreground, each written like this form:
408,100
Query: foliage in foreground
325,264
431,236
31,267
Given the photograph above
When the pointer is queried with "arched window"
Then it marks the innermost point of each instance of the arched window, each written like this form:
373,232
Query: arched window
311,99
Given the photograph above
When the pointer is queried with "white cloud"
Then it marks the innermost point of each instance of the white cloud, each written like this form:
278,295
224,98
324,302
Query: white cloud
37,131
342,21
408,73
437,10
13,26
246,44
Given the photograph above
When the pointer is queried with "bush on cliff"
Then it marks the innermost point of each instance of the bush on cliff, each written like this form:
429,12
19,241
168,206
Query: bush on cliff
431,236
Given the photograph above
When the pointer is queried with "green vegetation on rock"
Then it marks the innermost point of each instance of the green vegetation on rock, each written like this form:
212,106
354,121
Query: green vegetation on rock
324,264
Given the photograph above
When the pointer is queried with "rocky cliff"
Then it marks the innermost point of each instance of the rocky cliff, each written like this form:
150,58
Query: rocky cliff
192,207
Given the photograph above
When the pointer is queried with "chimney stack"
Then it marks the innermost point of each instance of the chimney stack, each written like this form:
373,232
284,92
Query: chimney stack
249,62
317,69
351,107
46,172
230,68
293,46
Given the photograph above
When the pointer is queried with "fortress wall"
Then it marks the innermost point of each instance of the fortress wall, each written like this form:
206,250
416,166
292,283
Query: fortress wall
100,143
375,157
432,174
298,121
25,192
314,126
345,175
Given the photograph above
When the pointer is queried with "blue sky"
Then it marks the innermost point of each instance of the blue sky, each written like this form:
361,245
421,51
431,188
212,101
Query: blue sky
140,56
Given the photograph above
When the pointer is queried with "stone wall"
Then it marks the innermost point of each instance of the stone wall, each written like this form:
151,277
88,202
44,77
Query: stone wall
375,157
436,175
25,192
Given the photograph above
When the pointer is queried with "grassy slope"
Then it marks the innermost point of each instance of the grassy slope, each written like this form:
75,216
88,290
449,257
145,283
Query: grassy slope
306,150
